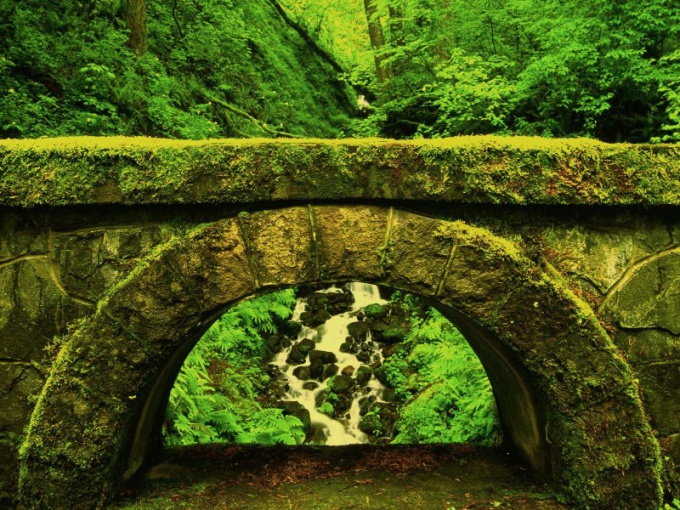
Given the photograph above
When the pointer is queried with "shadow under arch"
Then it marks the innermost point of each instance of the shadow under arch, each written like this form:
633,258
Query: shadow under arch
566,396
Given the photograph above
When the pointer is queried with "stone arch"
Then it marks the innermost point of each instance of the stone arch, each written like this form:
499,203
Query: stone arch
566,395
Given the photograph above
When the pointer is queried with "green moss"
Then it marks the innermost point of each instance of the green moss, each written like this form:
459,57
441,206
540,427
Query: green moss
483,169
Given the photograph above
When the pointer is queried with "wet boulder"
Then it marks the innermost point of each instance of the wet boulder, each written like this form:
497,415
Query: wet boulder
381,374
358,330
316,369
370,424
363,375
296,356
314,319
276,343
323,357
365,404
290,328
348,370
363,356
329,371
390,350
306,346
303,373
377,327
376,311
342,384
396,333
379,420
349,347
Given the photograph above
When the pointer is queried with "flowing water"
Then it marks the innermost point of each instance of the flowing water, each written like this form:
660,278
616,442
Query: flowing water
329,337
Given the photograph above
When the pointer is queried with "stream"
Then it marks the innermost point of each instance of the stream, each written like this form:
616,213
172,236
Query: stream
324,351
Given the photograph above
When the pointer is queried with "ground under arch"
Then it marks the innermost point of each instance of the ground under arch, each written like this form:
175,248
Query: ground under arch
566,396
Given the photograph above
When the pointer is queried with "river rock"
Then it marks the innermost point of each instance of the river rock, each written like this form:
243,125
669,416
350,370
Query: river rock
348,370
296,356
322,356
316,369
310,385
377,327
330,370
332,302
365,404
363,375
302,373
381,374
394,334
376,311
306,346
275,343
315,319
343,403
349,347
379,420
358,330
390,350
370,424
342,384
364,357
290,328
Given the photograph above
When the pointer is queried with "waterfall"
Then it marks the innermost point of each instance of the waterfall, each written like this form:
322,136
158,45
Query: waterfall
329,337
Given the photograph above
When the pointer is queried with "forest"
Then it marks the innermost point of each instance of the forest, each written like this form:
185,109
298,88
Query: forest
390,68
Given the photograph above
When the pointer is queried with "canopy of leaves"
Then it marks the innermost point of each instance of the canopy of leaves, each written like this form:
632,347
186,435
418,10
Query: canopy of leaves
600,69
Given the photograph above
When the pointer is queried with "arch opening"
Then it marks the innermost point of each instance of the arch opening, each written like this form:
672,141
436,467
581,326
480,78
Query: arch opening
346,365
578,407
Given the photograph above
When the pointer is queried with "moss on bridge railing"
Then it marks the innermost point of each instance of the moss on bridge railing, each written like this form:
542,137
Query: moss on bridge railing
86,170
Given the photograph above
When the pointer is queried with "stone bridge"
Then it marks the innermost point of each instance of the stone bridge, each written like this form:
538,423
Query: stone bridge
558,259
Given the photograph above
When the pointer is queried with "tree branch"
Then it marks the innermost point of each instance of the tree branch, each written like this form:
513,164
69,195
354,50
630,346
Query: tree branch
243,113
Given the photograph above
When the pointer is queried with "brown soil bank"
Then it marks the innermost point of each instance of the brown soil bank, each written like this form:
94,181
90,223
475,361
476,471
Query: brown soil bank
361,477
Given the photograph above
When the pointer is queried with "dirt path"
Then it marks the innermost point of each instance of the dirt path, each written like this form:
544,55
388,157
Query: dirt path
451,477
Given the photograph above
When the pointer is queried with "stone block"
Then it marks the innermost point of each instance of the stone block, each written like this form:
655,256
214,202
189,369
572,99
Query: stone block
33,309
416,257
282,246
350,242
22,233
90,262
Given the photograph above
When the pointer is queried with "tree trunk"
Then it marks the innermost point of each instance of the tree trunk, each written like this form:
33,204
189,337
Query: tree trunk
396,25
377,39
135,16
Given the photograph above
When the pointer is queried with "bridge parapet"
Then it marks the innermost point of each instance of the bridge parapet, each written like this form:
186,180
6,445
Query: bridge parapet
479,169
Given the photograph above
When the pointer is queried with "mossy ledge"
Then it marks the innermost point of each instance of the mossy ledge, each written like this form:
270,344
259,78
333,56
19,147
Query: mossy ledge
480,169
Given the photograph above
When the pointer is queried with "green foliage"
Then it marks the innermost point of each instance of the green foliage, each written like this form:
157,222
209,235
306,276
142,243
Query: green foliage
670,88
270,426
552,68
673,505
214,398
66,69
445,393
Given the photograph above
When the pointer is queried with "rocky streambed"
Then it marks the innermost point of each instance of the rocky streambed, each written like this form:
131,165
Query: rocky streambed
327,364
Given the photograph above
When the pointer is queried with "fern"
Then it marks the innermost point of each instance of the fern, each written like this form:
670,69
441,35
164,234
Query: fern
445,392
224,407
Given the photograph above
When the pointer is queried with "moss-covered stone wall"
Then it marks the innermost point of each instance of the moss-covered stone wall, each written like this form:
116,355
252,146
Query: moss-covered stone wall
64,245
